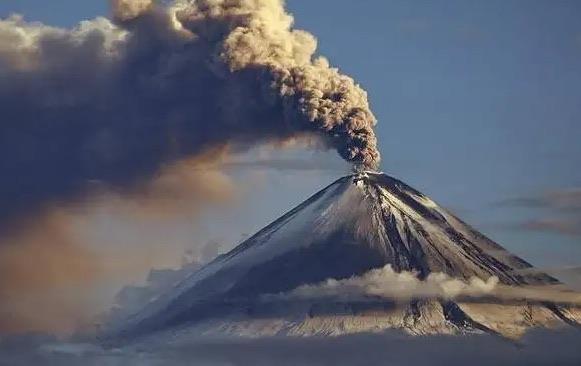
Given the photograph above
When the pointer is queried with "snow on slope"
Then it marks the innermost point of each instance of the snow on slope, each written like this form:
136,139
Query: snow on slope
358,223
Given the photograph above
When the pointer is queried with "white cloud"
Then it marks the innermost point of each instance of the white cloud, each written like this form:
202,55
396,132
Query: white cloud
385,282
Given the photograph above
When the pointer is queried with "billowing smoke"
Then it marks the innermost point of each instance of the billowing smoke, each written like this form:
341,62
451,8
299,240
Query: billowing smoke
130,9
114,101
405,286
116,109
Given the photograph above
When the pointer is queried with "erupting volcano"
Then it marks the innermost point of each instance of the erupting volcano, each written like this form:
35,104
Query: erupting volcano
358,224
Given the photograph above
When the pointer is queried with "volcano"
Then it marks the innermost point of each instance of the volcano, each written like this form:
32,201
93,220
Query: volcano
359,223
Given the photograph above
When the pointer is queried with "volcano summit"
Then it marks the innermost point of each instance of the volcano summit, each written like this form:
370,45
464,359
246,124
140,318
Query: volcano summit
362,226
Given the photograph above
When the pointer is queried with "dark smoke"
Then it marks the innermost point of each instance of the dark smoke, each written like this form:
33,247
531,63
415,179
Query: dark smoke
113,102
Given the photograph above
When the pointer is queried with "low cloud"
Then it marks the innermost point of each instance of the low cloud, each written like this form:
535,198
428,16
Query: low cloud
404,286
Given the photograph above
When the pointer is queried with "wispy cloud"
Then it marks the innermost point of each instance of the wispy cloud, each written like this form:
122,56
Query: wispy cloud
561,210
564,199
564,226
403,286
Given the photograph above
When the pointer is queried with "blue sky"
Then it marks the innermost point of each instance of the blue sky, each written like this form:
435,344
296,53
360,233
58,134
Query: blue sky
477,102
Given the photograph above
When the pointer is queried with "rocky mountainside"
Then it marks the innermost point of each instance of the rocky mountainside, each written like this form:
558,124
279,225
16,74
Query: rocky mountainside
358,223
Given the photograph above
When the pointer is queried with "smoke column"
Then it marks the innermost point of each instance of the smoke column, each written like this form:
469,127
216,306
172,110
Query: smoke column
113,105
113,101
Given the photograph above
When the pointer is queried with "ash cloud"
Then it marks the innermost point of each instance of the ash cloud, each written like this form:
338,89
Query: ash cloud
285,165
114,101
124,10
43,278
123,110
71,261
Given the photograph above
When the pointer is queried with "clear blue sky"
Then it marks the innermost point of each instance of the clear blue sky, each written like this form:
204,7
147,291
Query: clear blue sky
478,102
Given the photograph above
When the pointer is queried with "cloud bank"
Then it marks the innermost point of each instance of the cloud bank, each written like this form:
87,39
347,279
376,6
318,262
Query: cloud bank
405,286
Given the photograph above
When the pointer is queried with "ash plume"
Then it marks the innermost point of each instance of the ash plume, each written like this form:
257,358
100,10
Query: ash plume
114,101
72,260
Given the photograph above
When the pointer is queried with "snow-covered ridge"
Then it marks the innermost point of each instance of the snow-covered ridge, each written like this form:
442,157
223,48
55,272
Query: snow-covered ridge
359,223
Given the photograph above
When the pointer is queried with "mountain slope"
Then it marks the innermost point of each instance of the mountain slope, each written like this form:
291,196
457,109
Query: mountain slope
358,223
